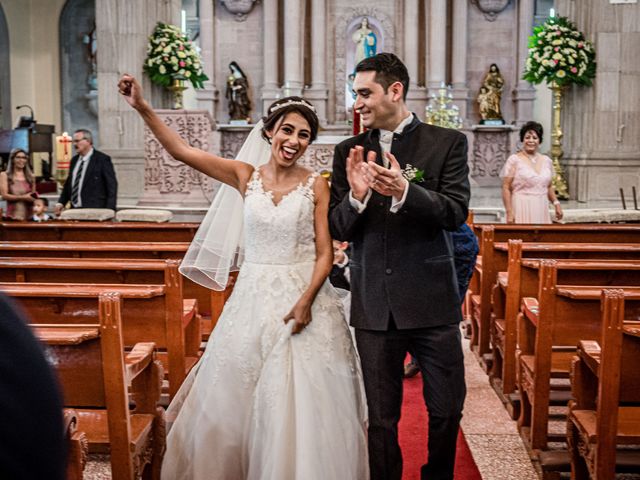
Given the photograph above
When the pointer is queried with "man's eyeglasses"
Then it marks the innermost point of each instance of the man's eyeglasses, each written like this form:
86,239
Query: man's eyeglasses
78,140
24,157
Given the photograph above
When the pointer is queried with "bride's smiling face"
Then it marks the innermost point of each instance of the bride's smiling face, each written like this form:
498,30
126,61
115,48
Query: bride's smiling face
289,139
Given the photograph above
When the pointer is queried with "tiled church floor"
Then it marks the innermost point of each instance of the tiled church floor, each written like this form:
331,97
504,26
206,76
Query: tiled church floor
492,436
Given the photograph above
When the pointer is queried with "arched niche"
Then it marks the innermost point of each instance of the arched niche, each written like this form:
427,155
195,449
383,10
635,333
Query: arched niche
350,46
77,66
346,24
5,74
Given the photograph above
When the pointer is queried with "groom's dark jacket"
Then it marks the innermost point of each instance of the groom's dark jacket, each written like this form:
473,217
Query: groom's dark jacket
402,263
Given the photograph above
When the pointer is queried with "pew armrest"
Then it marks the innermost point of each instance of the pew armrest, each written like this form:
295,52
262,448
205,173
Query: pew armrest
138,359
530,309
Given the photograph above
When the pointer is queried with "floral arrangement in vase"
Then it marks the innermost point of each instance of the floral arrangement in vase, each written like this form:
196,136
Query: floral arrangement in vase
171,55
559,54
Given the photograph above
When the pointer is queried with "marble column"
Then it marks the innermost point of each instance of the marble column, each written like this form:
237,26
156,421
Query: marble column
208,96
601,123
319,92
122,47
270,87
459,57
436,43
417,96
411,40
524,94
294,41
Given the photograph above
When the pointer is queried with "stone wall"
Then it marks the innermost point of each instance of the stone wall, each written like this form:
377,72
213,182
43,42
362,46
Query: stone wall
602,123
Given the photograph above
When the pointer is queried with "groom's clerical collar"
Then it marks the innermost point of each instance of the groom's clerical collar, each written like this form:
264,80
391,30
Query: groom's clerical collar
386,137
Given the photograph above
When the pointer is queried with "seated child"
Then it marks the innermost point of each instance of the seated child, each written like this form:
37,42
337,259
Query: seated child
40,214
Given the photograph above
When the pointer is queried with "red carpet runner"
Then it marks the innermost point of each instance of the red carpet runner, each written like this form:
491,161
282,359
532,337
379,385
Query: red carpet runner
413,437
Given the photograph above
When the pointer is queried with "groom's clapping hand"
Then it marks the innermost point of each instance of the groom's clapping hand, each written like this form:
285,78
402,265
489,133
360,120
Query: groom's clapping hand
385,181
355,173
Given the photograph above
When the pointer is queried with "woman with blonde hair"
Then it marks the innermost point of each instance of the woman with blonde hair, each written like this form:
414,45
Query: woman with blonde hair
18,186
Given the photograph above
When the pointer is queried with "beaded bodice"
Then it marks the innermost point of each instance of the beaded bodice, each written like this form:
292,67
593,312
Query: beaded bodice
280,233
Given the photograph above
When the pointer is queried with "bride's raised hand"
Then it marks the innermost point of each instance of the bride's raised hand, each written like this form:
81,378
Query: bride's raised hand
131,90
300,314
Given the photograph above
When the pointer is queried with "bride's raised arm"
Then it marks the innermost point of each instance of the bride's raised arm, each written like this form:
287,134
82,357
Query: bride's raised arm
231,172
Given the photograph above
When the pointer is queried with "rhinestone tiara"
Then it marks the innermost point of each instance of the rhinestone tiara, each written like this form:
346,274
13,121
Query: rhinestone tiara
293,102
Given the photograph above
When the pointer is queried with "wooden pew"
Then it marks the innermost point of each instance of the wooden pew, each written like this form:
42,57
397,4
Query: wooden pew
522,279
574,233
77,445
606,410
98,231
210,302
97,378
548,331
94,249
86,270
149,312
495,260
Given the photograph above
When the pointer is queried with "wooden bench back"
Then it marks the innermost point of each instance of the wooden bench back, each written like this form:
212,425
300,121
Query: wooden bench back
94,249
574,233
98,231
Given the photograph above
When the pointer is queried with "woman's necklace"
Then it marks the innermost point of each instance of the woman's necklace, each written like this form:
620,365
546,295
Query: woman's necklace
533,159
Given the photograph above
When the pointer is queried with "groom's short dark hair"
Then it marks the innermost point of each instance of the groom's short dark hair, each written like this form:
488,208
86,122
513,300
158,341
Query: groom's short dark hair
389,69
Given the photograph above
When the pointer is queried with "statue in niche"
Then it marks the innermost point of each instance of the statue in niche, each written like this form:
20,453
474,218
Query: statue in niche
238,95
365,40
489,97
91,41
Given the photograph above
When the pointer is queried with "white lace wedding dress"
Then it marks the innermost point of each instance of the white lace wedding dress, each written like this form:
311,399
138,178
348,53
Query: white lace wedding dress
266,404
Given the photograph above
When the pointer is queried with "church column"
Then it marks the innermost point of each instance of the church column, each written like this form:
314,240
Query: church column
122,48
318,92
208,96
293,40
437,41
411,40
524,94
270,90
459,57
417,96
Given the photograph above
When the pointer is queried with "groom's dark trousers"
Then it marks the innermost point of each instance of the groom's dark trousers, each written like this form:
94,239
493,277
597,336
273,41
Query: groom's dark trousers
404,289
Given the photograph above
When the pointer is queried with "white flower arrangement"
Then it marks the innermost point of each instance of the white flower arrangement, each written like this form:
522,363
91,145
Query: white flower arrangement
170,55
559,53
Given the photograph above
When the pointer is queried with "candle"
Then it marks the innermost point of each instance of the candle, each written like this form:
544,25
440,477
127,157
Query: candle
63,151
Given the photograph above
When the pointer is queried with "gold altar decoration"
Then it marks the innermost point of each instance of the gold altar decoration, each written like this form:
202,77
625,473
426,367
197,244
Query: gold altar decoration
177,87
560,55
440,111
559,182
63,157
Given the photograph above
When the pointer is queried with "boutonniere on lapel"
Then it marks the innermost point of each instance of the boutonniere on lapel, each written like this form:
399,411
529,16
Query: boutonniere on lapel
412,174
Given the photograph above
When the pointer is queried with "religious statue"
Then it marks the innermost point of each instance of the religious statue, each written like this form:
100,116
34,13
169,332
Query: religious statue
489,97
365,40
238,95
91,41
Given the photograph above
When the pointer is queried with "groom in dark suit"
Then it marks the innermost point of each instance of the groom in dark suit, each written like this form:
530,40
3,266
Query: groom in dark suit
92,181
396,189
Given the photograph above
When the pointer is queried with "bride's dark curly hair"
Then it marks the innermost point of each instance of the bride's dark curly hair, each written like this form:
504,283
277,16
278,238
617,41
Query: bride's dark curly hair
284,106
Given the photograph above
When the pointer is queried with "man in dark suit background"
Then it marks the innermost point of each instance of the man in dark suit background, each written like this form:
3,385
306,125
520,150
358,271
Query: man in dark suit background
92,180
403,280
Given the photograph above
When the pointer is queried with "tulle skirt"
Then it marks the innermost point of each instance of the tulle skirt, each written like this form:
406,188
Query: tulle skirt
265,404
531,208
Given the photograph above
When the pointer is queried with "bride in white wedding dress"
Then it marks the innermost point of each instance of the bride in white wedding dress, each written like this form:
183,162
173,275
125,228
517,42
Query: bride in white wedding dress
278,392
